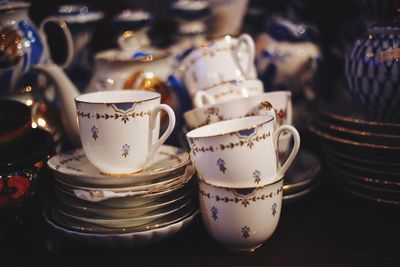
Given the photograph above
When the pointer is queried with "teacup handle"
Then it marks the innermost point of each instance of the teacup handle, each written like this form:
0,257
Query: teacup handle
265,108
68,37
296,138
199,99
168,131
249,43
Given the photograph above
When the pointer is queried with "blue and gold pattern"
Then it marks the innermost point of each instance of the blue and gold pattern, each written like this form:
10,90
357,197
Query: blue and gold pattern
372,71
245,232
122,111
125,150
221,165
274,209
257,176
95,132
246,138
214,212
243,196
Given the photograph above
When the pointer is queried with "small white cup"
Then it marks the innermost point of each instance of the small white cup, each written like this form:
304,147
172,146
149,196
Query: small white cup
241,219
241,152
119,130
243,107
227,91
218,61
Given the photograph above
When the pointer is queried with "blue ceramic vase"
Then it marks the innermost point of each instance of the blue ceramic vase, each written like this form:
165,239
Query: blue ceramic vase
372,70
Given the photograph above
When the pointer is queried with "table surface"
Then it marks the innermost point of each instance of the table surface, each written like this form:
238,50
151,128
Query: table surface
326,228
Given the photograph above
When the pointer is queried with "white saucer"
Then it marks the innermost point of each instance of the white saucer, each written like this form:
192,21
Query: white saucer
129,239
74,166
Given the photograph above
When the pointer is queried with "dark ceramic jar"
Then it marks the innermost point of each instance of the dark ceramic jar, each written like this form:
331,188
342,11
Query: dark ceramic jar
372,71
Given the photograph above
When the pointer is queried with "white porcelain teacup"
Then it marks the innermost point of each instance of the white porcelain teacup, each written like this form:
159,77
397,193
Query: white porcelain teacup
240,152
218,61
241,219
119,130
227,91
243,107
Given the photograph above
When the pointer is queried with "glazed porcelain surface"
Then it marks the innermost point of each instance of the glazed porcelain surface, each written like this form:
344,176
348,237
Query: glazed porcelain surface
287,57
96,194
129,69
243,107
134,201
81,21
120,129
73,166
228,91
218,151
131,239
372,72
217,61
241,219
23,45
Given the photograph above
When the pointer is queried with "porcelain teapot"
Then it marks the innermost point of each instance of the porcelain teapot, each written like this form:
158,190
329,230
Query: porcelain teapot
146,69
22,45
287,56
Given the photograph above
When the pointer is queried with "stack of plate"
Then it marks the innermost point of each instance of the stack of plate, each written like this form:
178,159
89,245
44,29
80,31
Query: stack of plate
132,210
362,154
301,177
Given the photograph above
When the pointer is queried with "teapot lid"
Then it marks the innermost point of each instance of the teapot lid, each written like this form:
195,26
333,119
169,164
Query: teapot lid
78,13
136,19
8,5
284,29
190,10
124,55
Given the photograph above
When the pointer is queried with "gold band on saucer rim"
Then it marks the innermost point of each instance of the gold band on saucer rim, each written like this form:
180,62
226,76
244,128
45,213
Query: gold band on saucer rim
121,174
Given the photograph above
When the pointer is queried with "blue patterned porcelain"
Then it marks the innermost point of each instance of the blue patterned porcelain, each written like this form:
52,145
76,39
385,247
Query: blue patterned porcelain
372,71
81,21
21,45
288,57
241,219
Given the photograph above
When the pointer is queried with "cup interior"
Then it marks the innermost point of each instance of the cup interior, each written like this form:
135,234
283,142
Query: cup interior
118,96
229,126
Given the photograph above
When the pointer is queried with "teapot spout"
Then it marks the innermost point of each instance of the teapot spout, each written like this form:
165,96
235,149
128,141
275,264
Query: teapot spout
66,92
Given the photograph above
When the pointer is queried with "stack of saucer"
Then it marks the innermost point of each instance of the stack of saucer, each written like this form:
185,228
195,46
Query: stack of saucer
302,176
133,210
362,154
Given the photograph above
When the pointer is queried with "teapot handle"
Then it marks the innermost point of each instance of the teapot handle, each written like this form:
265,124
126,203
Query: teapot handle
250,46
68,37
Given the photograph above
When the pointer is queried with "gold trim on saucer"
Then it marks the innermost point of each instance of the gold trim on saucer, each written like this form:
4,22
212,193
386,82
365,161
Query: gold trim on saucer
349,142
121,174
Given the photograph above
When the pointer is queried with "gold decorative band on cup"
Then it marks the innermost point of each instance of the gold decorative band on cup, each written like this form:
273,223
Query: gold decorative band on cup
122,174
235,82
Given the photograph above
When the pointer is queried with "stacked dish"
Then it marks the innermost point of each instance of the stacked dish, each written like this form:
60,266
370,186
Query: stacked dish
302,176
361,153
132,210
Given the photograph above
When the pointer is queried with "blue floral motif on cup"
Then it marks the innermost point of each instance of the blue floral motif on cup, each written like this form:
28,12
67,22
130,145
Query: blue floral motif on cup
245,232
274,209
